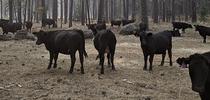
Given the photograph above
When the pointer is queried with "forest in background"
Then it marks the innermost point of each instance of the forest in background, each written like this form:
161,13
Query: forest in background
67,11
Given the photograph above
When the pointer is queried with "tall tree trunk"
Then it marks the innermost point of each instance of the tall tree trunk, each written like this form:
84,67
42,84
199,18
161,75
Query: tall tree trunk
1,9
82,12
194,8
19,11
173,10
61,13
125,9
25,10
112,9
65,11
164,11
31,14
106,11
29,10
155,11
55,10
70,12
133,9
88,10
144,14
100,11
44,14
94,9
11,11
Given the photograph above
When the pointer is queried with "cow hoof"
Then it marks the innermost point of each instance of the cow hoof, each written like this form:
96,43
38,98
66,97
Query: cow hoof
55,66
144,69
114,69
71,71
48,67
102,73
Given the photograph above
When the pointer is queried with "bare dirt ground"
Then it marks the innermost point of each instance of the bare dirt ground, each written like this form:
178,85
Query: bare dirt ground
24,74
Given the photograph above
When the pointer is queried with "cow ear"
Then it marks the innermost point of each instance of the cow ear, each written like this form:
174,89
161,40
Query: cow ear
149,34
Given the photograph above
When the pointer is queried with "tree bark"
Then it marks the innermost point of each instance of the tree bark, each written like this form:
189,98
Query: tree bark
155,11
194,8
65,11
100,10
11,11
55,10
82,12
144,14
19,11
70,12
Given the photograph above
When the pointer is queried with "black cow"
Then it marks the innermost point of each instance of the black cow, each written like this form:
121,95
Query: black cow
3,21
11,27
125,22
100,26
142,28
116,22
156,44
48,22
91,25
105,42
175,33
65,42
199,70
203,31
29,25
96,27
181,25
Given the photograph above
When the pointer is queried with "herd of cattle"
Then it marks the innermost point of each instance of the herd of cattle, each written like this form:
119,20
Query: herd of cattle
70,41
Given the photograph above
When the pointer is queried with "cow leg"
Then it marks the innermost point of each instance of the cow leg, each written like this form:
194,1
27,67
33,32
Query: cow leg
170,56
204,39
55,60
150,61
112,52
108,59
183,30
145,61
101,55
81,61
73,59
51,59
163,58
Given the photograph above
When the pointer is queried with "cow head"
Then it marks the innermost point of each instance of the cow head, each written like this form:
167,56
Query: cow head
145,38
41,37
183,62
198,70
92,28
196,27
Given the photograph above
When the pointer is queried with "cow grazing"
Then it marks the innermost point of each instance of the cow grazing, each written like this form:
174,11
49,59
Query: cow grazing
105,42
181,25
29,25
203,31
48,22
125,22
65,42
116,22
156,44
11,27
199,70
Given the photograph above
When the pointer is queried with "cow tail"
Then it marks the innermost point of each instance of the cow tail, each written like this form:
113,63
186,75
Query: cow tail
83,38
